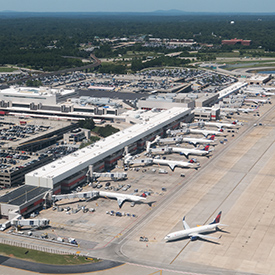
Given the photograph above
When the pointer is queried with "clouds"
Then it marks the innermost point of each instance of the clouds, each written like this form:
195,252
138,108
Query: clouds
138,6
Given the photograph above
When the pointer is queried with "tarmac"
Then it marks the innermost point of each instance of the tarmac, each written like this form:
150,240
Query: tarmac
239,180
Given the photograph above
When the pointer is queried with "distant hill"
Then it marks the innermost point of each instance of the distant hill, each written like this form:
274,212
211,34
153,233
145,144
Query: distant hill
170,13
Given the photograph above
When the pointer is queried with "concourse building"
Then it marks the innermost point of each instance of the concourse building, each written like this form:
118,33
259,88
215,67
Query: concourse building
68,172
64,174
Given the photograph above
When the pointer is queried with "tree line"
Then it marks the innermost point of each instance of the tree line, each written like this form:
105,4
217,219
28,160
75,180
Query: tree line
42,42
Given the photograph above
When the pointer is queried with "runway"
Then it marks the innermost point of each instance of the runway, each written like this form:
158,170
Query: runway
239,181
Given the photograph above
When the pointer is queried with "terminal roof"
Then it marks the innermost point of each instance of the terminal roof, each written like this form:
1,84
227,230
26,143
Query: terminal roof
23,194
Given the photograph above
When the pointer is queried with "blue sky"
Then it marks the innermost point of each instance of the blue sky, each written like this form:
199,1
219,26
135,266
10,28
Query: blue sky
138,5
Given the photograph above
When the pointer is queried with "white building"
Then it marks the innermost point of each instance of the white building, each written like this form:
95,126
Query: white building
42,95
68,171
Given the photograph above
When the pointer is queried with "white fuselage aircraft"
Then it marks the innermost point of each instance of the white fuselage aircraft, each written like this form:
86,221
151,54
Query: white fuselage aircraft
256,101
196,232
186,151
173,163
196,141
180,139
221,124
121,197
207,132
183,151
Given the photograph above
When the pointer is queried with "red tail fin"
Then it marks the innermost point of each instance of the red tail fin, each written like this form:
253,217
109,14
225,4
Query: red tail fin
221,130
206,148
217,219
193,160
212,137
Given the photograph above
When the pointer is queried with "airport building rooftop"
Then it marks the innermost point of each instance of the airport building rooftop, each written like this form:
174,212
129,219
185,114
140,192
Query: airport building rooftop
41,95
55,172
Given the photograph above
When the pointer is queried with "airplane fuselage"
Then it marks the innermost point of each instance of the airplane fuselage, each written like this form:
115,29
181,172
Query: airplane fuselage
220,125
206,132
172,163
187,151
197,140
189,232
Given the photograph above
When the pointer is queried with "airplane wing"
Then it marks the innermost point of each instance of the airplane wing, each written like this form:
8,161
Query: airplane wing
201,236
185,225
172,166
120,201
185,153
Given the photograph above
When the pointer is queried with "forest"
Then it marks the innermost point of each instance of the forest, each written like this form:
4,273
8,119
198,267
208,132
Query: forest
42,41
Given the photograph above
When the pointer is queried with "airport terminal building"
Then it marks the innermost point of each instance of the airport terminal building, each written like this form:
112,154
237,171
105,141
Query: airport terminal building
66,173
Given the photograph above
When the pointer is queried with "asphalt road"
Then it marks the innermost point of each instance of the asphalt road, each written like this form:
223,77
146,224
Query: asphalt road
57,269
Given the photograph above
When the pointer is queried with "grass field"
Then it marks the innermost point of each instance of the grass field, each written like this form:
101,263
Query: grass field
43,257
7,70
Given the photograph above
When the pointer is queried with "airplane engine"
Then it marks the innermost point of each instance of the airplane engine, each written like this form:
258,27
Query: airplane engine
193,238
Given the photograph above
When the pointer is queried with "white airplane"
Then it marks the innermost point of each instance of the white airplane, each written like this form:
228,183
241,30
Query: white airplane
180,139
182,151
207,132
237,110
245,110
196,141
122,197
255,93
221,124
196,232
173,163
186,151
256,100
268,93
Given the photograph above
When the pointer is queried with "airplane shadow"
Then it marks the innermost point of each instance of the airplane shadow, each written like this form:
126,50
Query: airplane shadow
223,231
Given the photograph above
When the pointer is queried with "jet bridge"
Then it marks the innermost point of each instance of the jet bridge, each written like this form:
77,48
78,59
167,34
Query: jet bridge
183,131
30,222
113,176
80,195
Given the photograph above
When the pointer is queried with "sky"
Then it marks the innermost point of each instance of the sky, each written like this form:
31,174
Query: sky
138,5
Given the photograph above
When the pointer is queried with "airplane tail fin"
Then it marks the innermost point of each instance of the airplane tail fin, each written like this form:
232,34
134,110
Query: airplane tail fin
206,148
212,137
217,219
192,160
143,195
221,130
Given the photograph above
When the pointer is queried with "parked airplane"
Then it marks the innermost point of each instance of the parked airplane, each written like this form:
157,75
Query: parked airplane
195,232
186,151
122,197
207,132
245,110
237,110
128,160
173,163
256,101
182,151
221,124
180,139
196,141
268,93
